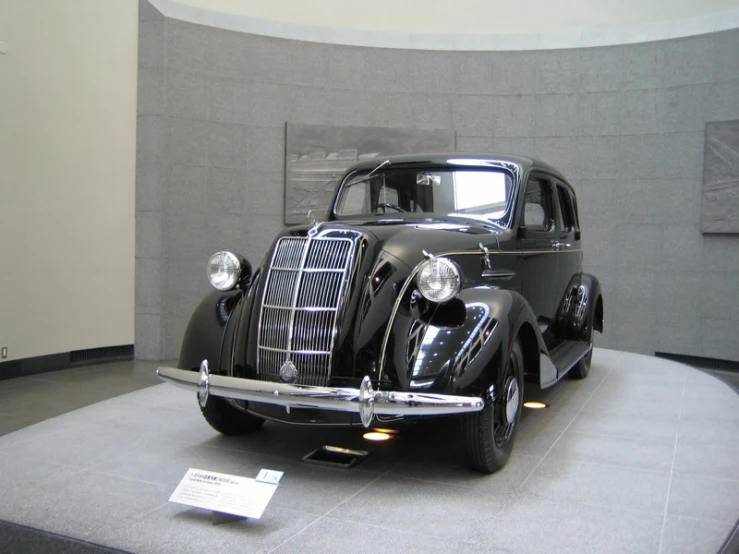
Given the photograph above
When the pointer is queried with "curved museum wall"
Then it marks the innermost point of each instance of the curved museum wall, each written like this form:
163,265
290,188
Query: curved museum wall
67,169
625,123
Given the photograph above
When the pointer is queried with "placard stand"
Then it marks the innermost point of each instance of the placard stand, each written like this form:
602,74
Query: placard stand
220,518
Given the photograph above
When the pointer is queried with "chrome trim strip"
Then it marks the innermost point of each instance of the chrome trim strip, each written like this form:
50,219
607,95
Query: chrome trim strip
365,401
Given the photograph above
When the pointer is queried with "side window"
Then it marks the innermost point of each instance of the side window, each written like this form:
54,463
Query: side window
537,209
565,205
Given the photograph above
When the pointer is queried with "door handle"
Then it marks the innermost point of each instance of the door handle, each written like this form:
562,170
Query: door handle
561,245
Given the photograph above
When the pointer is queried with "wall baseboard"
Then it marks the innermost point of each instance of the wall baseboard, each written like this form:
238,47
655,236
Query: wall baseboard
65,360
698,361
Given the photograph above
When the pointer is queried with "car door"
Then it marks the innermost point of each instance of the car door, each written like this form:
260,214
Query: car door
538,231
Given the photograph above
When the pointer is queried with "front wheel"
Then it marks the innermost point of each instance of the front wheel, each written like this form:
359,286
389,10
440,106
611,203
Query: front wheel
226,419
490,433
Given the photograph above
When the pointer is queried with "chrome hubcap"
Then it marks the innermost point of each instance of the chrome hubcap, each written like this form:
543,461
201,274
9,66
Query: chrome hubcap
511,400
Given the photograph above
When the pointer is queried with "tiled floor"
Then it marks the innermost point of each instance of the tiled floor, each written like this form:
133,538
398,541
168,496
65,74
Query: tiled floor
639,457
28,400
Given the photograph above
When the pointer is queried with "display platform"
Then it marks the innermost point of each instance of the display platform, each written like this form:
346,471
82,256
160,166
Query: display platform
639,457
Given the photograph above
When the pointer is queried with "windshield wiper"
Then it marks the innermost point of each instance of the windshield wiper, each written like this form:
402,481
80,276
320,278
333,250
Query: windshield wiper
370,174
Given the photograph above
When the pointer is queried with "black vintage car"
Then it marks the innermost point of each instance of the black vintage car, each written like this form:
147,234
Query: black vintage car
437,285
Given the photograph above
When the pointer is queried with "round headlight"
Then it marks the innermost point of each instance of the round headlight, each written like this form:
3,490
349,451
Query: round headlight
438,279
224,270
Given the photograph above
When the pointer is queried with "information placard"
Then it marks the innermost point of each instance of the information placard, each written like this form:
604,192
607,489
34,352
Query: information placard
227,494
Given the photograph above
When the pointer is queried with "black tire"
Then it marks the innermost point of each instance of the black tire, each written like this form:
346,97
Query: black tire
488,433
581,369
226,419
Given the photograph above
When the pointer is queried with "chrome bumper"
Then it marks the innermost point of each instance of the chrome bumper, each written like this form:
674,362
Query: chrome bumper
365,401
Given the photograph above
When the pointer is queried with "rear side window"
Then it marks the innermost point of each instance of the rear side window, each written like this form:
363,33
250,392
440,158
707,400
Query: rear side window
537,214
565,205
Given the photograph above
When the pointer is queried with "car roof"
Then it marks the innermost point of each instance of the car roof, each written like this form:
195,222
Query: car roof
453,160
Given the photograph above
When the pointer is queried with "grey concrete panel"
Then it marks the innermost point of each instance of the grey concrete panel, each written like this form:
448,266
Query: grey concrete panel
151,91
682,248
561,152
684,156
724,103
152,43
725,47
516,73
476,144
601,69
642,111
265,149
475,116
186,283
187,189
187,46
474,73
183,236
227,145
149,235
229,100
642,156
147,12
173,329
148,328
560,71
392,109
644,66
556,115
349,107
187,141
151,139
431,111
677,336
227,190
686,108
599,113
720,253
598,157
689,61
287,62
514,145
151,178
148,285
431,72
266,193
718,336
515,116
187,94
380,70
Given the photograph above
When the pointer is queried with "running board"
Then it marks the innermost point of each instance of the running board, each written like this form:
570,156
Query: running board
565,355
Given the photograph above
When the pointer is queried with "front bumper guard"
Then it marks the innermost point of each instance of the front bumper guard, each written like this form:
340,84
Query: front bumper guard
365,401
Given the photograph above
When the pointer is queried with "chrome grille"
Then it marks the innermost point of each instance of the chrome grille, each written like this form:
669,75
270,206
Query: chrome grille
306,280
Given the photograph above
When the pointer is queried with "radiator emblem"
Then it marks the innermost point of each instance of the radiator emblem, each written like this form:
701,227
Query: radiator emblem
288,372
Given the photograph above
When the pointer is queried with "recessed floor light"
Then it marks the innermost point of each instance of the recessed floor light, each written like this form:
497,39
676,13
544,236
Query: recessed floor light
376,436
535,405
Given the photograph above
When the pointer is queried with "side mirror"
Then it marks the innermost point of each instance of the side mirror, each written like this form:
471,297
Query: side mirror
522,231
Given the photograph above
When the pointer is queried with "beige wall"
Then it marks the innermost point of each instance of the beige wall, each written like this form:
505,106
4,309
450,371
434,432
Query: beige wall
67,174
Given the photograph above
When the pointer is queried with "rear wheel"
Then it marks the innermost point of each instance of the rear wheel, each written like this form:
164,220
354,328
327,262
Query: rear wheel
228,420
490,433
581,369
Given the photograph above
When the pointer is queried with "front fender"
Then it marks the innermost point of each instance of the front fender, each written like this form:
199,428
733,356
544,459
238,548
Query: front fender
206,329
448,352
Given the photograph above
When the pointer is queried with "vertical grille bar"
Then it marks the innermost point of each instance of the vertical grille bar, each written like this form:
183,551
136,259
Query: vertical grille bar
305,282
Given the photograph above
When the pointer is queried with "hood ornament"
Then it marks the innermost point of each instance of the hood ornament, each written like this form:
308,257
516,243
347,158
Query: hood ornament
311,215
288,372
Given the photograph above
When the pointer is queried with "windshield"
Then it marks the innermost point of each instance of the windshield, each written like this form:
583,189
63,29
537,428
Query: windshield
482,194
